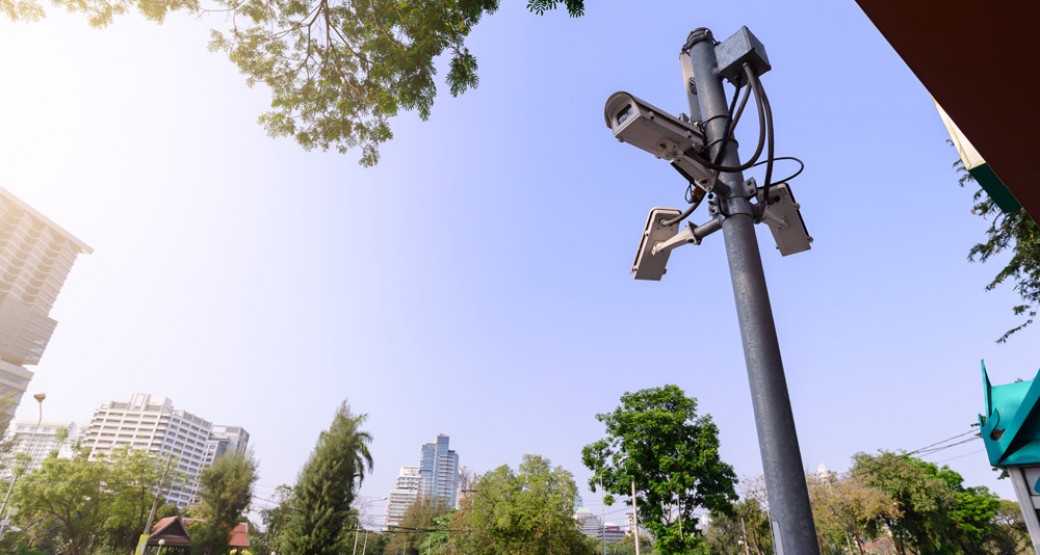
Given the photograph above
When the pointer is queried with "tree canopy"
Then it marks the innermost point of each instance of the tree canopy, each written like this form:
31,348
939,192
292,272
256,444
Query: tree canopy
419,521
325,489
933,513
848,510
656,439
524,512
1017,234
225,491
338,70
78,505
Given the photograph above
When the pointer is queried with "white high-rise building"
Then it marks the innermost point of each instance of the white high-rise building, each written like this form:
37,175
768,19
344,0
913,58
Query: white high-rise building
405,492
226,439
439,472
38,442
35,258
151,423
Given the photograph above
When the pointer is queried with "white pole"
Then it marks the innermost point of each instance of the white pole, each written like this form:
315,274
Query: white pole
603,520
635,515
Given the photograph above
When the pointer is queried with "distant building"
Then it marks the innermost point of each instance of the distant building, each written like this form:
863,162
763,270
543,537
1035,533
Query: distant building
225,439
437,478
39,442
590,524
439,472
404,494
612,533
35,258
150,423
587,522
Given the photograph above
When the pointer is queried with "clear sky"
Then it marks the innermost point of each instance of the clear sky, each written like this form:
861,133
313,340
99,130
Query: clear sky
476,283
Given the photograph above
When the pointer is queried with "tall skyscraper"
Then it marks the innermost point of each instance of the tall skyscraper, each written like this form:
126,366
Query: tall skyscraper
151,423
35,257
405,492
439,472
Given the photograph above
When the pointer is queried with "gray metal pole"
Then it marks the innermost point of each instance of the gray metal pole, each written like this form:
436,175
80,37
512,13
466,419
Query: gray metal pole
793,529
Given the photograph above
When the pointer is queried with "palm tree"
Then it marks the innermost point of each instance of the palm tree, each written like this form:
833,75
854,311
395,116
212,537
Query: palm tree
326,488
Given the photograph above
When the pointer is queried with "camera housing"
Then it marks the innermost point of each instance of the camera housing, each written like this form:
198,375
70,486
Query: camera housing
650,266
649,128
784,218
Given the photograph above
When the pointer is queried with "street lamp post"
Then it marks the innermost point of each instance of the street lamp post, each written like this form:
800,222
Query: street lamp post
14,475
635,511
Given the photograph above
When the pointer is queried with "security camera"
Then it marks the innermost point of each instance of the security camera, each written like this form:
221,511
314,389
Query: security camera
648,264
649,128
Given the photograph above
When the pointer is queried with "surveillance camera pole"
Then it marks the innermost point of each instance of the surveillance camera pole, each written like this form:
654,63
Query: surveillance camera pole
791,515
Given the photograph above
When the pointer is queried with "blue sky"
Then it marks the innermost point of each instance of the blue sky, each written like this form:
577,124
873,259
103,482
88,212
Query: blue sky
476,282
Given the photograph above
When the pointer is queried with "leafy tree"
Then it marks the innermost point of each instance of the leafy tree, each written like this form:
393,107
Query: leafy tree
745,532
80,505
325,488
846,511
627,546
131,478
275,520
656,438
374,543
523,512
338,70
409,537
936,513
226,490
436,541
68,500
1009,536
1018,234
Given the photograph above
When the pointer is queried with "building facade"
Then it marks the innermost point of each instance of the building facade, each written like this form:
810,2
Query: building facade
439,472
36,256
38,442
405,492
225,439
150,423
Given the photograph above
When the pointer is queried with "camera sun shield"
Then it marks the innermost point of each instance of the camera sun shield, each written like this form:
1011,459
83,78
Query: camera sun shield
650,266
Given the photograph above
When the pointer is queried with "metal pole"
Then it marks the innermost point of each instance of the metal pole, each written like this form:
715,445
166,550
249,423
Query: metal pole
791,515
602,520
635,515
146,533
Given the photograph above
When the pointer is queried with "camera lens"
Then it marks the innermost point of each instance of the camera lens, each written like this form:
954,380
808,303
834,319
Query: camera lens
623,114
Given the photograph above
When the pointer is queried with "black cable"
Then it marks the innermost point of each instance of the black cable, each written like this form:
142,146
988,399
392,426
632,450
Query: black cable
790,177
692,197
758,149
760,95
929,449
735,118
730,125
